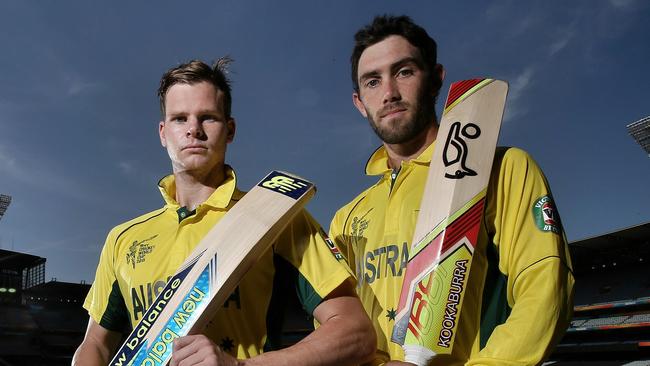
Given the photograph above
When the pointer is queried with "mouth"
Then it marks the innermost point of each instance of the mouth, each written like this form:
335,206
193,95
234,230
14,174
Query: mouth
392,112
194,147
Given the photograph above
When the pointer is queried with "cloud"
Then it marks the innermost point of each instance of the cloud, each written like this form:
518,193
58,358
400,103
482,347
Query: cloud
497,10
58,86
8,166
126,167
517,89
524,25
622,3
39,173
69,84
522,81
74,85
84,241
560,43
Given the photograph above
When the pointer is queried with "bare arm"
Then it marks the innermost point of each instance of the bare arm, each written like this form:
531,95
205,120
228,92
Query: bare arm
345,337
98,346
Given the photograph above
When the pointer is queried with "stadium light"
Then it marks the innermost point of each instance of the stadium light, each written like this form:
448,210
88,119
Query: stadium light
640,131
4,203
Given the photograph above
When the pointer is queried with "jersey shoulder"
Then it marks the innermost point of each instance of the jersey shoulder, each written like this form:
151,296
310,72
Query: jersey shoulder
514,161
512,154
358,201
119,230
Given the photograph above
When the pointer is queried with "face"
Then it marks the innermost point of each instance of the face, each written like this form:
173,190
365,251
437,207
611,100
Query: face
395,93
195,130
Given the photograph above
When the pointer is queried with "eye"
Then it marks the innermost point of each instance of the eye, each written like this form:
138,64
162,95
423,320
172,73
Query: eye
178,119
209,118
372,83
405,72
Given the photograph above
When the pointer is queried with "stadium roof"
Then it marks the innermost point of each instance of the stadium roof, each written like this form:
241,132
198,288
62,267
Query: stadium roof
18,261
638,233
626,246
59,289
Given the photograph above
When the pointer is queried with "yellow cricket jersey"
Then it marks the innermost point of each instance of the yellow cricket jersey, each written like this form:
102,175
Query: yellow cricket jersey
140,255
520,289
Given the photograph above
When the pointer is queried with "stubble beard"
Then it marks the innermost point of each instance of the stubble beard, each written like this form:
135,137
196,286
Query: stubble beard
400,131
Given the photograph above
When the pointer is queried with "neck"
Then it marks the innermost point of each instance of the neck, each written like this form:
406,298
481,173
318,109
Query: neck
397,153
193,189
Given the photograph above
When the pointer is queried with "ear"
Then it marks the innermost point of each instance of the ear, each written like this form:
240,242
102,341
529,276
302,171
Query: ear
440,72
356,100
232,127
161,133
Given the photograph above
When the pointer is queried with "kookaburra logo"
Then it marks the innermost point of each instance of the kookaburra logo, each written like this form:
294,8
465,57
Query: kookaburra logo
456,151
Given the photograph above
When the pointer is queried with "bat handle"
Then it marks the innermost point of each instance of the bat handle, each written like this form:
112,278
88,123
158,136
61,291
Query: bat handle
417,355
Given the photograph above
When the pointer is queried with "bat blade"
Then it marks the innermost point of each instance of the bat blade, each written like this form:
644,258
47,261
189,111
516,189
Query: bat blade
449,220
212,271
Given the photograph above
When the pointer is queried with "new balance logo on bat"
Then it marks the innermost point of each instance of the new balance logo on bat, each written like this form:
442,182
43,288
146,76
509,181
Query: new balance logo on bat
289,186
283,184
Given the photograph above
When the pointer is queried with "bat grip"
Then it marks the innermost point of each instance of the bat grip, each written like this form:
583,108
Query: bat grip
417,354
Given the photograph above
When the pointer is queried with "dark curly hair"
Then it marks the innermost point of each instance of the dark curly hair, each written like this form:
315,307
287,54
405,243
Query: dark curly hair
384,26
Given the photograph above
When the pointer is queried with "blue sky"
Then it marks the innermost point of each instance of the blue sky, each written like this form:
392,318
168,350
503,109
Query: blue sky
79,150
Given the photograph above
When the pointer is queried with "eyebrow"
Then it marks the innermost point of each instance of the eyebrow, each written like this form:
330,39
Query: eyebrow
393,66
199,112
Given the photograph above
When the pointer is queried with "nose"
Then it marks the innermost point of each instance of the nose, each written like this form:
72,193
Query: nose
391,91
195,129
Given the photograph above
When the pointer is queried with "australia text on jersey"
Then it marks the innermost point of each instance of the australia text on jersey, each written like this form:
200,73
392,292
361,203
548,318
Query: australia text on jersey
143,295
382,262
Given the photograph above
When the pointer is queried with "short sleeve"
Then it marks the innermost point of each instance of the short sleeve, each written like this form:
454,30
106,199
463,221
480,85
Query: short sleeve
320,264
104,302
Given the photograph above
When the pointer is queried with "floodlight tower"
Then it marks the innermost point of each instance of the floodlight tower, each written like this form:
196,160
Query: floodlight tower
4,203
640,131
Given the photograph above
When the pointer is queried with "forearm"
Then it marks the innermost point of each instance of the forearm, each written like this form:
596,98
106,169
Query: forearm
345,339
98,346
91,354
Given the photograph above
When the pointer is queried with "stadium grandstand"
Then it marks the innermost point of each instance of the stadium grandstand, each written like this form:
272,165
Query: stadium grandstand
611,318
41,323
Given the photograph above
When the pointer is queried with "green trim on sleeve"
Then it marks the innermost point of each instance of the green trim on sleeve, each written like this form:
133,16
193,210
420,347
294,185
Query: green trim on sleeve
116,315
495,310
307,295
287,282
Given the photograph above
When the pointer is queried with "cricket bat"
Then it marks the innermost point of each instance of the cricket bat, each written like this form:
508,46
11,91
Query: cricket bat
449,220
212,271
